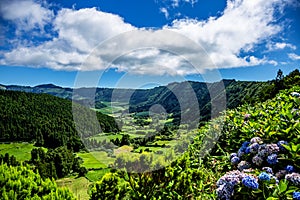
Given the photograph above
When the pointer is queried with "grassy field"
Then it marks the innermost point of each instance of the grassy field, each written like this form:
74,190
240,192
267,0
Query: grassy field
20,150
95,175
95,159
107,137
79,186
113,108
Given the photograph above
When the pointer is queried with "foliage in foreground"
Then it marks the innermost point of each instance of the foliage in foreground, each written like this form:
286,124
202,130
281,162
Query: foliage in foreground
195,174
20,182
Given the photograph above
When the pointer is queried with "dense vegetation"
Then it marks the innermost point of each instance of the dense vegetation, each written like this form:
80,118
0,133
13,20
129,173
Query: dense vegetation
48,120
22,183
56,163
195,175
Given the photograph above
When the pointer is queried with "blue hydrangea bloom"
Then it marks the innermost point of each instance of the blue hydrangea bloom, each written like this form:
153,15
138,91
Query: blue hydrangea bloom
245,144
272,159
250,182
264,176
279,144
289,168
296,195
235,160
241,152
247,150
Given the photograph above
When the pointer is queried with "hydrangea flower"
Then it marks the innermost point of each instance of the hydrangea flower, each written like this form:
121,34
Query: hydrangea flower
225,191
262,151
247,150
255,140
280,143
233,155
250,182
272,159
280,174
289,168
235,160
241,152
272,148
245,144
268,170
264,176
243,165
227,182
257,160
294,178
296,195
254,147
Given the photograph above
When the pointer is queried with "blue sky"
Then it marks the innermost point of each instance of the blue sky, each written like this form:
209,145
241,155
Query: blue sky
134,43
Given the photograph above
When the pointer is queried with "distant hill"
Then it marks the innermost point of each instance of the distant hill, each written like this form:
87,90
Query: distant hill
237,92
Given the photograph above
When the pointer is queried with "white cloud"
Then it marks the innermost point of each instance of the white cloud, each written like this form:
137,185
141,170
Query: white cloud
27,14
280,46
165,12
176,3
243,25
294,56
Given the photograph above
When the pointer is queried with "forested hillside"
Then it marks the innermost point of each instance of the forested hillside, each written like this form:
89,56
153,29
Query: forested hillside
140,100
47,120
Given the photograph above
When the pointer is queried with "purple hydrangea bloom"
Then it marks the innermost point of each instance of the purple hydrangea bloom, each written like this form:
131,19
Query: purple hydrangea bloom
262,151
254,148
272,159
268,170
243,165
235,160
225,191
280,174
294,178
272,148
296,195
227,182
250,182
255,140
257,160
233,155
264,176
289,168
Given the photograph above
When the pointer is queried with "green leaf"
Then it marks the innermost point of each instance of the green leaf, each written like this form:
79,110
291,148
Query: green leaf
282,186
272,198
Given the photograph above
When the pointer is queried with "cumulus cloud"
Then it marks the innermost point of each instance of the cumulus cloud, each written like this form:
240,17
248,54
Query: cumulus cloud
84,36
243,25
294,56
26,14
